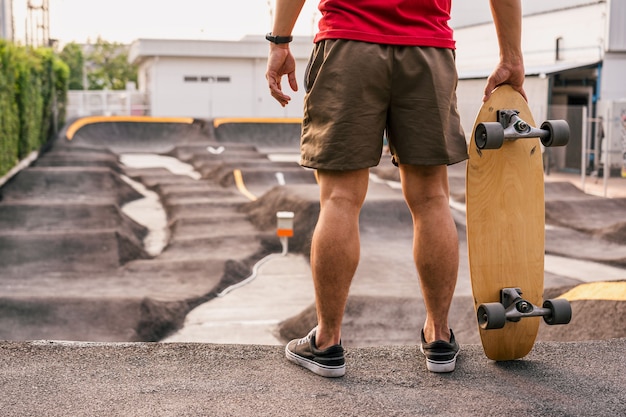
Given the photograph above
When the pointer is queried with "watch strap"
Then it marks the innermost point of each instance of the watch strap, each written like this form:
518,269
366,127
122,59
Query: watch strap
278,39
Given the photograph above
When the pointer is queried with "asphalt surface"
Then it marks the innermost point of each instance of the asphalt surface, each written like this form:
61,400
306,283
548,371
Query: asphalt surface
57,379
112,251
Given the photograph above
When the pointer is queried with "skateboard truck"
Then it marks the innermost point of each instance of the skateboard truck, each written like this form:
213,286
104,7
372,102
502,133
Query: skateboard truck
509,126
512,307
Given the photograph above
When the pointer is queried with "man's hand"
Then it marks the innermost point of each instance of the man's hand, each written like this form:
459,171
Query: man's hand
279,63
507,18
512,74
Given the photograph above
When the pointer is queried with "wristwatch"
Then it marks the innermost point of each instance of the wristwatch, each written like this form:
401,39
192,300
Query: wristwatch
278,39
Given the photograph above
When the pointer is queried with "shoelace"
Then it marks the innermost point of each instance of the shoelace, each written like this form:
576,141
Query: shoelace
304,340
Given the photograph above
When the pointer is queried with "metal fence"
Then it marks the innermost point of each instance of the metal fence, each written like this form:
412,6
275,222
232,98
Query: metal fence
597,146
107,103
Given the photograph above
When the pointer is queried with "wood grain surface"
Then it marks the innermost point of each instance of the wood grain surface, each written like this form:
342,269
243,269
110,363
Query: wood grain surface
506,226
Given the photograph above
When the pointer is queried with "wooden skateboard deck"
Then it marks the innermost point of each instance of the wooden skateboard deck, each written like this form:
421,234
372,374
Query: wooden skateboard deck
506,225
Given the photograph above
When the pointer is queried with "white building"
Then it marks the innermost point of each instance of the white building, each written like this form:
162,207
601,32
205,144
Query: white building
207,79
575,56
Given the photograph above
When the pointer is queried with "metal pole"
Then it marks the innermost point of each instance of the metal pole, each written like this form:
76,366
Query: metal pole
607,148
584,156
285,244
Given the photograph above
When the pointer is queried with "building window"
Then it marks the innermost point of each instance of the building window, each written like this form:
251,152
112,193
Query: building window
207,79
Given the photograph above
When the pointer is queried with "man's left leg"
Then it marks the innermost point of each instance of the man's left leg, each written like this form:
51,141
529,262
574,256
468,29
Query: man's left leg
335,251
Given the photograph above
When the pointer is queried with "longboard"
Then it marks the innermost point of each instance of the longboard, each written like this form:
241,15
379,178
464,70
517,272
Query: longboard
506,224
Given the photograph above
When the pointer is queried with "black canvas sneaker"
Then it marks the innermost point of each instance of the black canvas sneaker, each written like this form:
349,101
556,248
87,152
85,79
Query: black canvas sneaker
328,362
440,355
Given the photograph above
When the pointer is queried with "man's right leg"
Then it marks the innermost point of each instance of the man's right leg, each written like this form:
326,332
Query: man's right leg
436,253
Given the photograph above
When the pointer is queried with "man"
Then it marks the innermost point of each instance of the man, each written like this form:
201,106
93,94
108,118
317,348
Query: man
383,65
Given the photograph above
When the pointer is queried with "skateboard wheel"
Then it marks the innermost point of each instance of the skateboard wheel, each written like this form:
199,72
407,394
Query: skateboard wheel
491,316
489,135
560,311
558,133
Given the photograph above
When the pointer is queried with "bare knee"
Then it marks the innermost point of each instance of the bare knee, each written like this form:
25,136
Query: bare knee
343,190
425,186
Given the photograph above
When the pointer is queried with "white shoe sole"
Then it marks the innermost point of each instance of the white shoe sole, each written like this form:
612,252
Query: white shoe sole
316,368
439,366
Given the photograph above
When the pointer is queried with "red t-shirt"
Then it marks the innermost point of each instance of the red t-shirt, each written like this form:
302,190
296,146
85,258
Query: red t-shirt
393,22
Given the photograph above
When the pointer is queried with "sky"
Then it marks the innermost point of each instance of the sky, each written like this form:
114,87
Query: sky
126,20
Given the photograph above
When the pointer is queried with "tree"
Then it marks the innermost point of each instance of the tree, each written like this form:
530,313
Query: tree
72,55
108,66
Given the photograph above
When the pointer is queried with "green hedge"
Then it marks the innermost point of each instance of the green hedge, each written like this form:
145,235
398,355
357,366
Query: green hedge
33,96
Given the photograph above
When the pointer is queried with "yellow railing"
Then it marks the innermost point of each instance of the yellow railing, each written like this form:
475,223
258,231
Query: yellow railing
74,127
225,120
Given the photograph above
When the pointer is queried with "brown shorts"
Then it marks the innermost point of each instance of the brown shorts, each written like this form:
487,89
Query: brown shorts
356,90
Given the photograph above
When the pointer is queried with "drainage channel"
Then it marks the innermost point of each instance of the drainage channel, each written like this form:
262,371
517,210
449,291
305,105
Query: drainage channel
148,211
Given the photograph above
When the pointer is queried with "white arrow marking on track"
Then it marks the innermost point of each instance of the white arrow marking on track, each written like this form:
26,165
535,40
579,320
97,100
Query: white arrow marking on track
215,151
